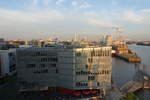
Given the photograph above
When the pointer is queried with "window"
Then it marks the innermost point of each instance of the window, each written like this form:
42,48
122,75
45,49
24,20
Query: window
98,84
41,71
12,68
56,71
30,65
53,65
37,53
81,73
43,54
81,84
91,77
78,54
42,65
77,73
90,60
86,66
93,53
48,59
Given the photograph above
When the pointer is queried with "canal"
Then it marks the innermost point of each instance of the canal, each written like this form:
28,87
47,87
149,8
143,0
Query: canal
124,71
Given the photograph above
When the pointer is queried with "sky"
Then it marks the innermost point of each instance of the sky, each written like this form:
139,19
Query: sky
33,19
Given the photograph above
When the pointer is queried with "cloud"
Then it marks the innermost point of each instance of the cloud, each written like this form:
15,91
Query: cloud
131,16
100,23
59,2
146,10
136,17
46,2
34,2
85,5
10,17
115,3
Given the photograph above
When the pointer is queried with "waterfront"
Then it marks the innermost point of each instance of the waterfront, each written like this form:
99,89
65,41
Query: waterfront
124,71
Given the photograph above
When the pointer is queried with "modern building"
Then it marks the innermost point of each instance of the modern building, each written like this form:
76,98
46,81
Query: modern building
108,40
73,70
7,62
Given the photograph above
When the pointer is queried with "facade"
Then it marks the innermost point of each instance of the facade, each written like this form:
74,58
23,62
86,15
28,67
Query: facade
7,62
69,68
108,40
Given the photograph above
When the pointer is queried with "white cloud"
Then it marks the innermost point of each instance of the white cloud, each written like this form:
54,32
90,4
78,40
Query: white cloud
100,23
59,2
135,17
9,17
114,3
46,2
146,10
35,2
132,17
85,5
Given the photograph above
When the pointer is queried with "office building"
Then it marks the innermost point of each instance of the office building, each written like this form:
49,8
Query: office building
70,69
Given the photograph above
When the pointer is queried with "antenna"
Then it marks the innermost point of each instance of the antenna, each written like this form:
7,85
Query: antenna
118,33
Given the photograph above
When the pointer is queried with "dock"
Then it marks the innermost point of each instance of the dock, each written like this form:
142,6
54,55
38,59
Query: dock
141,80
129,58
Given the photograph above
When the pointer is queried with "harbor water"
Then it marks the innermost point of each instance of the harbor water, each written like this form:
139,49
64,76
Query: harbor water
124,71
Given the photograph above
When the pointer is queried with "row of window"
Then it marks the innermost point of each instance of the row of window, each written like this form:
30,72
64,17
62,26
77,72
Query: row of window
93,73
91,60
30,65
41,71
40,54
79,84
91,78
96,53
41,65
43,53
48,59
107,60
85,84
101,53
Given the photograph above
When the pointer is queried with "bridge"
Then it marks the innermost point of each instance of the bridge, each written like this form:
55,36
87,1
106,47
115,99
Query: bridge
140,80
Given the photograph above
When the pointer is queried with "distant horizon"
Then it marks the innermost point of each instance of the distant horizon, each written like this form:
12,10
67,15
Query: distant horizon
89,37
29,19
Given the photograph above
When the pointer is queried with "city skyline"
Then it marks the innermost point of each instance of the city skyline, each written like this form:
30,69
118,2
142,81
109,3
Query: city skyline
27,19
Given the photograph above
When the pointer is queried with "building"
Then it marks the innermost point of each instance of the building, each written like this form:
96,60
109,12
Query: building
108,40
7,62
73,70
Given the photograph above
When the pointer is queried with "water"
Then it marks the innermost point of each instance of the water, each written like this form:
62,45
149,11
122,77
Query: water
124,71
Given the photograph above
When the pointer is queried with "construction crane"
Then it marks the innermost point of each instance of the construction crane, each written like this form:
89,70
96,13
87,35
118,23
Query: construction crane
118,33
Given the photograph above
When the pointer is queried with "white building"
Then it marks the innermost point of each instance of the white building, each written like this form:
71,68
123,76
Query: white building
70,68
108,40
7,62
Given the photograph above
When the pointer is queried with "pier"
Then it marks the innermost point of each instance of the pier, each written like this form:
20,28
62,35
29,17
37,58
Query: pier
141,80
129,58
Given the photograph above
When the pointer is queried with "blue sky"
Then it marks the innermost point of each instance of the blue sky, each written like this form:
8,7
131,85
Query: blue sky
27,19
